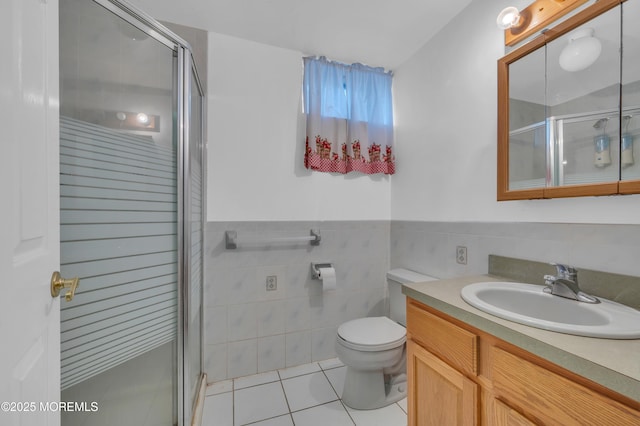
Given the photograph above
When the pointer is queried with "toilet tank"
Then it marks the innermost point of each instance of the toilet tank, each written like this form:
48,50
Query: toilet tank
397,300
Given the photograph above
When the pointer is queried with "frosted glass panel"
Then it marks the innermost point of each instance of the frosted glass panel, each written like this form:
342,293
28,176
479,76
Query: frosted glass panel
119,220
196,179
126,304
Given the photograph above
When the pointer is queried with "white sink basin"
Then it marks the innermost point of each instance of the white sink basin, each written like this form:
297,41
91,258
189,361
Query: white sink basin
528,304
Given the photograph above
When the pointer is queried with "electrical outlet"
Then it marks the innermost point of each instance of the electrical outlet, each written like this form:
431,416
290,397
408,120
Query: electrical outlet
461,255
272,282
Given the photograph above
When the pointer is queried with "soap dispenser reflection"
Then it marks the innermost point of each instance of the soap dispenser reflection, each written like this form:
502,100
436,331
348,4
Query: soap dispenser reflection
602,154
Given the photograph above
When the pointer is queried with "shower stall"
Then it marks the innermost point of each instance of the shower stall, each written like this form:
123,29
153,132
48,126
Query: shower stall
131,217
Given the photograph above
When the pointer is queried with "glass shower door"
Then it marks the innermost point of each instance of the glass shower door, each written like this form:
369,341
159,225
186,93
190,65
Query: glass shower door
195,209
119,218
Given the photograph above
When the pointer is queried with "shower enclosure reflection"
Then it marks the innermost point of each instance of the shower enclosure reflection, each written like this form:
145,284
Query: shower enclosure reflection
129,176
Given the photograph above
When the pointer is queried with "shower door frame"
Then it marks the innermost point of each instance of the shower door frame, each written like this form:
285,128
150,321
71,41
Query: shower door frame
186,67
184,409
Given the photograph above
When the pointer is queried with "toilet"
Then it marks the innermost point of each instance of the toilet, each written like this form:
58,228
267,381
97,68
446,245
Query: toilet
373,350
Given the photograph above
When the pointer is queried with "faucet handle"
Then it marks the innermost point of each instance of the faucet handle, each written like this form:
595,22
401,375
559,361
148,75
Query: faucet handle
566,271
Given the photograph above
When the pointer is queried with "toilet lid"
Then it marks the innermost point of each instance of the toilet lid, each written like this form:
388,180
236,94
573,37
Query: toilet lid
373,331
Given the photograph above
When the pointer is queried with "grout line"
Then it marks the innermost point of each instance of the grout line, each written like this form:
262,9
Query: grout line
301,374
331,384
290,413
268,418
347,411
285,396
317,405
259,384
333,368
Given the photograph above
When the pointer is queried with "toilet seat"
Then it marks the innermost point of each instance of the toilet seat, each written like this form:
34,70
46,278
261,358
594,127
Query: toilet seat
372,334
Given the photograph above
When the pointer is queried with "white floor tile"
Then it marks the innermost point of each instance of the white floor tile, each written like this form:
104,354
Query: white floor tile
218,410
332,414
308,390
330,363
259,403
403,404
219,387
299,370
276,421
336,377
256,379
306,395
391,415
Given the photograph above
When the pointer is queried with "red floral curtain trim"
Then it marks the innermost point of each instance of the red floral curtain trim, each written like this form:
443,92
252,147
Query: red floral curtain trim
323,159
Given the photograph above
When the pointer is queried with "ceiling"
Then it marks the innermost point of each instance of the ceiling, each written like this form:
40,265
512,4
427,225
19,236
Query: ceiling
375,32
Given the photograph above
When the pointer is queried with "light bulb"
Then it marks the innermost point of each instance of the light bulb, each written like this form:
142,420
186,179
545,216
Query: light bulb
508,18
142,118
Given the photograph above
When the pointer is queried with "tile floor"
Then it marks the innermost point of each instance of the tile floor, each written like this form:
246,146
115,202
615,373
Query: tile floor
306,395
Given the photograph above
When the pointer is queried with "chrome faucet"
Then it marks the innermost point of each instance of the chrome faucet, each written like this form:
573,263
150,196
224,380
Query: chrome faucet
565,284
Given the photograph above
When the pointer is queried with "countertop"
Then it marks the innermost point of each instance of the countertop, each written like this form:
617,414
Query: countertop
614,364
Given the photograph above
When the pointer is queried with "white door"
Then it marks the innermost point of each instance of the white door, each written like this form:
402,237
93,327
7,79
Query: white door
29,212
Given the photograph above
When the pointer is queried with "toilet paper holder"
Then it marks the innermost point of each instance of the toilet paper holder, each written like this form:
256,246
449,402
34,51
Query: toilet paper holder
315,269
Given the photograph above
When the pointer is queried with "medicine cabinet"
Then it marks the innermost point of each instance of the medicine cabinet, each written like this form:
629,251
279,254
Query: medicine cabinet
569,108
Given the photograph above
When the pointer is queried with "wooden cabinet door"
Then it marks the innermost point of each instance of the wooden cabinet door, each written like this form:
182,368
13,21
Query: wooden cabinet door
507,416
438,395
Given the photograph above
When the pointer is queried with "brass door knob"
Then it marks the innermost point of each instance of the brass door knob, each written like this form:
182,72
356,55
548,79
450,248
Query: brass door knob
58,283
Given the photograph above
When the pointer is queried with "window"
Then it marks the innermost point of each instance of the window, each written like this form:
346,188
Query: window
349,113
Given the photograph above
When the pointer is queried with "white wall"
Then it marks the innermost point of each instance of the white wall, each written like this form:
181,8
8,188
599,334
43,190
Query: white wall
446,139
256,141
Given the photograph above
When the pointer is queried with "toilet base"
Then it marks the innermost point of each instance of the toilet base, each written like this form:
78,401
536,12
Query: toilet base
367,390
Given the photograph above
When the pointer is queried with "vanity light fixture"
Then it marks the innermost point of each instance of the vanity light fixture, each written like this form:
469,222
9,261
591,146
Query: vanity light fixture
508,18
519,25
581,52
142,118
121,119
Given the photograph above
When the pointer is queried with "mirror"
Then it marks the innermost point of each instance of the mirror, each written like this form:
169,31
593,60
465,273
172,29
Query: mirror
630,122
560,129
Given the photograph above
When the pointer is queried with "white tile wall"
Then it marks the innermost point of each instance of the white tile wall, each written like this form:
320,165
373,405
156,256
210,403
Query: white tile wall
250,330
271,317
271,353
429,247
242,358
242,322
297,348
215,361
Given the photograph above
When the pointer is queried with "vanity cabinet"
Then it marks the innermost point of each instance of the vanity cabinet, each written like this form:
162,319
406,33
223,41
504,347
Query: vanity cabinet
459,375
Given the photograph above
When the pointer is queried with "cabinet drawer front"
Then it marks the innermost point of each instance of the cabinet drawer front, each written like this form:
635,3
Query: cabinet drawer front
455,345
552,398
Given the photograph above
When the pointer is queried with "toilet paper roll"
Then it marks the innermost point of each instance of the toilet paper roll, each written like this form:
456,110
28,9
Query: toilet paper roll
328,278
